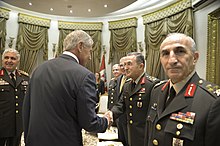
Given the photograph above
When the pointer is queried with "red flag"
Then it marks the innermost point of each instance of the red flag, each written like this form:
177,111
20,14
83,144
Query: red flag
103,71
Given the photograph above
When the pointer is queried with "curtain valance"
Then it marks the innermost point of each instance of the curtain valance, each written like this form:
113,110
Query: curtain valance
130,22
24,18
168,11
4,13
80,25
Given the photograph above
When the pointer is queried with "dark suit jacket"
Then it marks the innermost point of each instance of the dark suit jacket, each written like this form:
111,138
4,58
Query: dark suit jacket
101,87
112,94
199,97
60,101
11,100
135,104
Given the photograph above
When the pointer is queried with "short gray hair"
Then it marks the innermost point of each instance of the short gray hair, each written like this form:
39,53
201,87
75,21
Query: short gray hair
76,37
12,51
193,47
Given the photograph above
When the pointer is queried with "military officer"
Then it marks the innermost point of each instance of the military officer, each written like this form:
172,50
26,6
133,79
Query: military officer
184,110
112,95
13,85
135,98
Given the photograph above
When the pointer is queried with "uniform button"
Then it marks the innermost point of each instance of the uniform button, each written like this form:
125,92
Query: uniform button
130,106
130,99
112,97
178,133
16,90
155,142
113,89
131,122
2,89
158,127
179,126
111,101
112,93
16,104
16,97
16,111
130,114
200,81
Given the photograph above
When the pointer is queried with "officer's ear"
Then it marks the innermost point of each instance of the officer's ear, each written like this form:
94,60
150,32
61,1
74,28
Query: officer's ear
195,57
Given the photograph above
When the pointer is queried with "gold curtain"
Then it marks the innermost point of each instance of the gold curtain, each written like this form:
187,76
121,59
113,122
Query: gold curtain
4,15
2,33
175,18
123,38
32,41
213,52
122,41
94,64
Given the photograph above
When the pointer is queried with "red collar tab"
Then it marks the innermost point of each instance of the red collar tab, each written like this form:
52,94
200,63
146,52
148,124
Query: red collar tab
143,80
190,90
1,72
165,85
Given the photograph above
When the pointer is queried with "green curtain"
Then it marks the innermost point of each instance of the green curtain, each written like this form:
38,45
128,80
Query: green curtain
122,41
94,64
156,31
32,43
2,33
213,52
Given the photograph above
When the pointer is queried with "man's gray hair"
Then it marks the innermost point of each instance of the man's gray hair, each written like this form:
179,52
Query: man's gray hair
76,37
12,51
193,47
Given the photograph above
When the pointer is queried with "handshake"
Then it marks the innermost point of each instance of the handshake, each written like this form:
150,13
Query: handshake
109,116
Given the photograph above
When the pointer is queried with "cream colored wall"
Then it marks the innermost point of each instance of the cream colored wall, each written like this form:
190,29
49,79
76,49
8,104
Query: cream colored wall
200,32
201,29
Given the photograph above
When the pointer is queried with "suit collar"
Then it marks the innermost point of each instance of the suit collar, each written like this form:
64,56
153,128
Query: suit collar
72,55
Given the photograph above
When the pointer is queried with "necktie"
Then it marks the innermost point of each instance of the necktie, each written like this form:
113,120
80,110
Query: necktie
122,83
13,78
133,84
172,94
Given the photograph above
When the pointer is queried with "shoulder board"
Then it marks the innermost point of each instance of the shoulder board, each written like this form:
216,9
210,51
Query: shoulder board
210,87
152,79
128,80
23,72
160,83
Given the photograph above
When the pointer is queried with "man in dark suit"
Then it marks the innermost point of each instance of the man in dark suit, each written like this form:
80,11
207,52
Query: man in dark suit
184,111
13,84
61,97
135,99
112,94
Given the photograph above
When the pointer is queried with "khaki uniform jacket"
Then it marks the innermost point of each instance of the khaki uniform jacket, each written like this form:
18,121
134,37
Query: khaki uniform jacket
191,119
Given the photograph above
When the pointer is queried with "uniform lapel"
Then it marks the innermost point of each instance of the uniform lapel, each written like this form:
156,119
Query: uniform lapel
138,86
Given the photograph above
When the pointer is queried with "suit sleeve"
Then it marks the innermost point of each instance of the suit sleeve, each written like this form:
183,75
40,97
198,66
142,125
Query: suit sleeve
213,125
86,102
119,108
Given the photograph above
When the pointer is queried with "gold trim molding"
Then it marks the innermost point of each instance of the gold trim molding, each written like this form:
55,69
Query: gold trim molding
123,23
80,25
4,13
33,20
168,11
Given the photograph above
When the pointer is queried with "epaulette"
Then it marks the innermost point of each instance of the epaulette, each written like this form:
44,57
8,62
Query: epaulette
128,80
210,87
152,79
23,72
160,83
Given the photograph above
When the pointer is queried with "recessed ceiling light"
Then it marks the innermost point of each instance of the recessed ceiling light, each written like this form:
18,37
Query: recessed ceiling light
105,6
71,11
51,9
89,10
30,4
